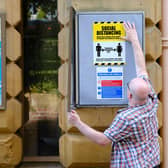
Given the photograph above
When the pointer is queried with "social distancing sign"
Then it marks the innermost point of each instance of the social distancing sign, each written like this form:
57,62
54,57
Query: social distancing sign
108,45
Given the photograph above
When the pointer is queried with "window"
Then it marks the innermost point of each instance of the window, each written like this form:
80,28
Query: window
41,63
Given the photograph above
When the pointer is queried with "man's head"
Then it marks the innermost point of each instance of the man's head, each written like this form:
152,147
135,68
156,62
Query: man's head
138,91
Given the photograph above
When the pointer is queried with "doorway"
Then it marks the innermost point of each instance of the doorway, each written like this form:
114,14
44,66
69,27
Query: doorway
41,63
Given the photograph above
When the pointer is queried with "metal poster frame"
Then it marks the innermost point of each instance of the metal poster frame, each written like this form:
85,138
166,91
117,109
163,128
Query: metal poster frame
2,62
81,97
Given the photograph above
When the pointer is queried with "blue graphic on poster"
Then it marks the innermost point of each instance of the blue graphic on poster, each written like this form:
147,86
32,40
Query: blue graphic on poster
110,82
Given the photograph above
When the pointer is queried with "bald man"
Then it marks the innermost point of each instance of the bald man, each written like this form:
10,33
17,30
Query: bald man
138,91
134,131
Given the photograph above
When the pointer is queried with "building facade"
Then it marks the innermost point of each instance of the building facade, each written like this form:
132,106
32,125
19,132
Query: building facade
71,143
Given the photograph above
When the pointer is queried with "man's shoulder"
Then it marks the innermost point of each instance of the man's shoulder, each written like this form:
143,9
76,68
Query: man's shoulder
131,113
125,112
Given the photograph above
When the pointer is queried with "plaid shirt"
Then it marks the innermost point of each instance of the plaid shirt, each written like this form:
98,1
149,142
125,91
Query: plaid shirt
134,135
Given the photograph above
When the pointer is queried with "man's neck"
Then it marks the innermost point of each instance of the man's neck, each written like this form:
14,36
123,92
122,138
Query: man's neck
137,103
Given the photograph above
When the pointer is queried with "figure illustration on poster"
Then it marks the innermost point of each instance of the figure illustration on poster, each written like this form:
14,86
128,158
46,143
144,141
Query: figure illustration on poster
119,49
99,49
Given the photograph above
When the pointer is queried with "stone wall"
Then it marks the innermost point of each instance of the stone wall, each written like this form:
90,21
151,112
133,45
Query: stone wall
11,117
75,150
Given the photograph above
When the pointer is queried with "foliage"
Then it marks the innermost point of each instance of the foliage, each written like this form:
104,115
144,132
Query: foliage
40,14
47,6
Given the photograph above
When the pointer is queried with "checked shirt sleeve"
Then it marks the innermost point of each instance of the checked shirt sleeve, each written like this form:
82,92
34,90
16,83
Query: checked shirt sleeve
118,130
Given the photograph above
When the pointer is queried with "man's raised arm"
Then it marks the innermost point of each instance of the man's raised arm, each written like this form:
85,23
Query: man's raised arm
131,36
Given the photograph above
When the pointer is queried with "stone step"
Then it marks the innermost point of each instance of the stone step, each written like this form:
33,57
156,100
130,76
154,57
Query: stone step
40,165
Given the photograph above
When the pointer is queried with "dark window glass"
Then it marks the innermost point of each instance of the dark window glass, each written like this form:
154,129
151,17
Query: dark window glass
41,63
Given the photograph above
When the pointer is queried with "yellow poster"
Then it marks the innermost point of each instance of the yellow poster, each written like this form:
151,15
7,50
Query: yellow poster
108,45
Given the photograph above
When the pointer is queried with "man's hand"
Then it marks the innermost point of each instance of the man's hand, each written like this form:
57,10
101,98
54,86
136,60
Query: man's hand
86,130
73,117
131,33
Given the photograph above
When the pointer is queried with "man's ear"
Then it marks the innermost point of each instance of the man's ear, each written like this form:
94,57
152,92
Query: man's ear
130,95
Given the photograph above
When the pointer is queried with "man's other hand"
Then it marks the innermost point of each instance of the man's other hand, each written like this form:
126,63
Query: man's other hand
73,117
